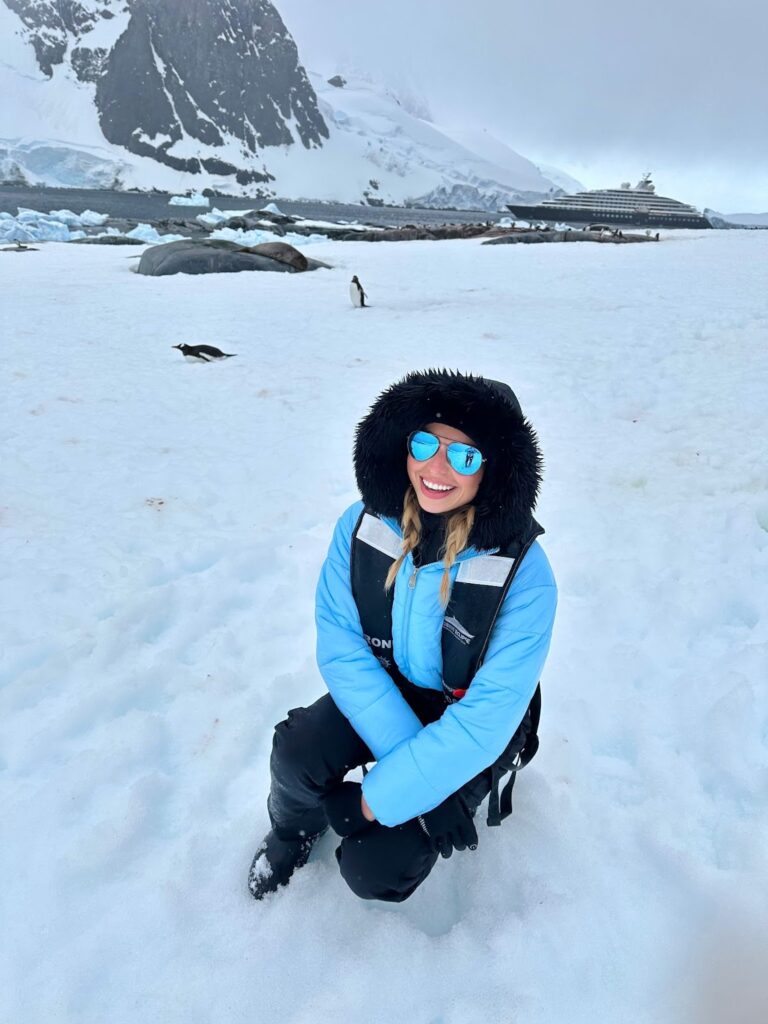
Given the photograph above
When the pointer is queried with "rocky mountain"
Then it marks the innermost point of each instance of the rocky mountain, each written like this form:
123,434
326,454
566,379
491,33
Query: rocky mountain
184,94
202,86
52,26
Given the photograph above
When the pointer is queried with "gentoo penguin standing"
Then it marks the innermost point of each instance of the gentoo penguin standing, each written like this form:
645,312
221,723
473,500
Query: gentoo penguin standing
356,293
202,353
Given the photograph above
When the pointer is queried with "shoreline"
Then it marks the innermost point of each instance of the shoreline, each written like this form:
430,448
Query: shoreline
154,206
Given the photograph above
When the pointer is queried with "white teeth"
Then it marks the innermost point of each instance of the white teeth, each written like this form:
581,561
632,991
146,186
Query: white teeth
435,487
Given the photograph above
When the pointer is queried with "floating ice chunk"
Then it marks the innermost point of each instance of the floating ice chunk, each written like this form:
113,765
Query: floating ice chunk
17,233
90,218
65,216
272,208
150,235
256,237
25,215
194,200
213,218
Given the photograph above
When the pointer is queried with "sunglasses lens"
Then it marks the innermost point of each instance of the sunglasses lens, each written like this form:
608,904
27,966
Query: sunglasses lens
422,445
465,459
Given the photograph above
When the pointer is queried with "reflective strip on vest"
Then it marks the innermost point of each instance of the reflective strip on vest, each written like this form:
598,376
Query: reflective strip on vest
376,533
477,595
488,570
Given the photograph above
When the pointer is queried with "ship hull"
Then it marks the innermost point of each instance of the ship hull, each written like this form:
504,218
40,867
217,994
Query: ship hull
629,219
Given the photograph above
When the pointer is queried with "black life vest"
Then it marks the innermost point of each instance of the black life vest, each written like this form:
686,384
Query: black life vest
476,598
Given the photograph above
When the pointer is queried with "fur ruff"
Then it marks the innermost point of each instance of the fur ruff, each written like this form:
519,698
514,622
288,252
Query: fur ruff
489,413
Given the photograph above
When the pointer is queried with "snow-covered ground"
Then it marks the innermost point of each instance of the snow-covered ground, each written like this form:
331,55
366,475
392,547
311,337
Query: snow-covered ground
162,528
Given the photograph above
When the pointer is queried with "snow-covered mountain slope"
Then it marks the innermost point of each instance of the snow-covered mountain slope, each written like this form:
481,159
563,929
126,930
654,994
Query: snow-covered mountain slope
212,92
560,179
379,150
507,164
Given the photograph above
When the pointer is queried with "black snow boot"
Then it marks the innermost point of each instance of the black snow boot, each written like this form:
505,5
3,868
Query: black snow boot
276,860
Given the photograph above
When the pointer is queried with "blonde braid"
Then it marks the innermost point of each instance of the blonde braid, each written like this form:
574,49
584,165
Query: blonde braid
457,533
411,527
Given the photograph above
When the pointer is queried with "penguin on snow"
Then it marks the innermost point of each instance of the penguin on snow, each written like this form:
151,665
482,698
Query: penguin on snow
202,353
356,293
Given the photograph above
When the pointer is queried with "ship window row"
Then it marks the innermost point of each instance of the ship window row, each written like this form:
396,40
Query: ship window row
609,205
594,201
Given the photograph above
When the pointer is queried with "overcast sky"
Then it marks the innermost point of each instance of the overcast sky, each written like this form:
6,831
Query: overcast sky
603,90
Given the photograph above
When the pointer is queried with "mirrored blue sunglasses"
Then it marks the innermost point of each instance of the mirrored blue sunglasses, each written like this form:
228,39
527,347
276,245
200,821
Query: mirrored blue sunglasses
463,458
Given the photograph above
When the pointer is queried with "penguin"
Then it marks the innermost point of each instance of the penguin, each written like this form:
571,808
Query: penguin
356,293
202,353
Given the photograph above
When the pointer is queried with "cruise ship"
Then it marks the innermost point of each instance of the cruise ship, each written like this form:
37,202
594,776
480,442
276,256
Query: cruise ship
637,207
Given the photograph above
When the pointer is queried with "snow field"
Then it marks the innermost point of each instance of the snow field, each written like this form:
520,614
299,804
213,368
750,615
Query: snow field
162,528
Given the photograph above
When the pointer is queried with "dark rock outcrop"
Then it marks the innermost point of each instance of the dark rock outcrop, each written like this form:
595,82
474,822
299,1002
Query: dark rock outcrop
416,233
201,73
530,237
108,240
208,70
51,24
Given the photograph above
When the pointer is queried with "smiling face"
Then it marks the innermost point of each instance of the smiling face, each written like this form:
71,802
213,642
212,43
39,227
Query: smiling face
438,487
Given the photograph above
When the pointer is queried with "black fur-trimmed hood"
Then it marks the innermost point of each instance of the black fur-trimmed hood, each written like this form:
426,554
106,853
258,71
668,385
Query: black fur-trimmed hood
489,413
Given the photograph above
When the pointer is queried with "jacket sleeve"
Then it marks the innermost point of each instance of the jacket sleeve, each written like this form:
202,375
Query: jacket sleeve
471,734
361,688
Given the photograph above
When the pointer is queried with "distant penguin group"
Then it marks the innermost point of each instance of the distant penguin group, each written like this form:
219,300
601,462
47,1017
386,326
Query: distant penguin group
202,353
356,293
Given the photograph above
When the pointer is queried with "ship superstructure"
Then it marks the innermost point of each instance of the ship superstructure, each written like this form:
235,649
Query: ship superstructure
628,206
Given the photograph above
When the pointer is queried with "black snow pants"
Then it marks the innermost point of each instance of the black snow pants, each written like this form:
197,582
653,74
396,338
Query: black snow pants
313,750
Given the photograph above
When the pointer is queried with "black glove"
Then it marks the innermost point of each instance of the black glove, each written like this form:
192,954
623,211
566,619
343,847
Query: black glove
449,826
343,807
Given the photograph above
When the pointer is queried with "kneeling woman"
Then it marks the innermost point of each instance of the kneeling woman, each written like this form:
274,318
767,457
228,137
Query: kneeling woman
434,615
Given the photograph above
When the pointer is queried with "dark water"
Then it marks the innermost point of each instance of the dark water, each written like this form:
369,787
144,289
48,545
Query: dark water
153,206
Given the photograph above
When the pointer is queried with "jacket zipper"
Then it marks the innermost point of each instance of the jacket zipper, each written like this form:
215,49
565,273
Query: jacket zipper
407,614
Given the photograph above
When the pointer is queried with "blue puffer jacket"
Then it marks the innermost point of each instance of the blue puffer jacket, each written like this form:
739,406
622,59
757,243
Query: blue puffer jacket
418,767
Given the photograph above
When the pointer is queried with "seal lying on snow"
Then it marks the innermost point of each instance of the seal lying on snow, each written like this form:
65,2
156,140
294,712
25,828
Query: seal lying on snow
216,256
